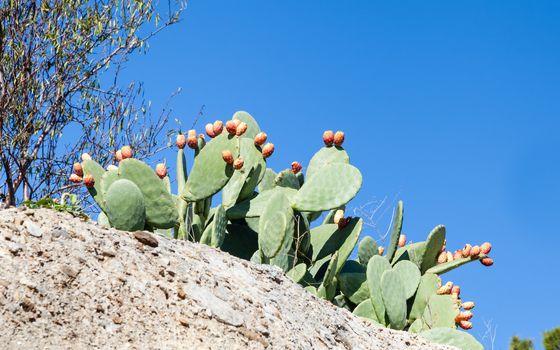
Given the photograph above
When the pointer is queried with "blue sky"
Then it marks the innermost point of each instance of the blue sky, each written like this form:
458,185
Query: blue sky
453,106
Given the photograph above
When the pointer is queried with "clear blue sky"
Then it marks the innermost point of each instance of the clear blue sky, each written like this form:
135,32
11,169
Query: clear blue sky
453,106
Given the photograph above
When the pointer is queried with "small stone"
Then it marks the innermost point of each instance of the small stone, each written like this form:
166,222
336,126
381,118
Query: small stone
183,321
33,229
117,320
146,238
70,272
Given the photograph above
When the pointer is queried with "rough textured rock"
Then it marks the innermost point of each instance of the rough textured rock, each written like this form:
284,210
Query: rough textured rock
69,283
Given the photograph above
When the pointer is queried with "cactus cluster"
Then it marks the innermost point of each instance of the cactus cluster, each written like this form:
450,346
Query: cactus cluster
293,219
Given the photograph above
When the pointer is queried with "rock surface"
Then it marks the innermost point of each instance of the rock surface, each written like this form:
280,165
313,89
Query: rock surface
66,283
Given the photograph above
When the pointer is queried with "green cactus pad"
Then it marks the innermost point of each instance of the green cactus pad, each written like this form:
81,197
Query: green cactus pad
232,190
324,156
267,182
453,337
377,265
416,326
394,298
301,178
327,289
366,249
440,311
107,180
352,282
160,207
240,241
284,259
434,243
124,203
286,178
336,186
297,273
276,224
218,227
209,172
396,233
410,276
355,228
426,288
365,310
252,126
182,173
91,167
440,269
413,252
326,239
254,207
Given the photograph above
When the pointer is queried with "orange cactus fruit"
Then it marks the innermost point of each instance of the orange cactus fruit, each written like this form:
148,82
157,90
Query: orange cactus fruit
161,170
89,181
485,248
75,178
238,163
78,169
465,325
442,258
267,150
231,127
296,167
127,152
402,240
328,138
475,251
445,289
468,305
338,138
209,128
227,156
487,261
181,142
380,250
467,250
241,128
260,139
218,127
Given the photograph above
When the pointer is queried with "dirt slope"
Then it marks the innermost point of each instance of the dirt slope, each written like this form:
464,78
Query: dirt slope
65,283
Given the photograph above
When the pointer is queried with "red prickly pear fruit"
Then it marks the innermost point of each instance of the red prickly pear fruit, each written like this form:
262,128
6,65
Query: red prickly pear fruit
161,170
78,169
338,215
238,163
191,133
210,130
241,128
402,240
463,316
296,167
487,261
236,122
86,156
445,289
231,127
227,156
118,156
181,141
465,325
466,252
338,138
328,138
475,251
457,255
343,222
468,305
192,142
456,290
442,258
260,139
380,250
485,248
75,178
267,150
218,127
89,181
126,152
449,256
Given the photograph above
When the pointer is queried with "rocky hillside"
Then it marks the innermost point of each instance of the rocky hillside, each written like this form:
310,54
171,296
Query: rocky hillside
69,283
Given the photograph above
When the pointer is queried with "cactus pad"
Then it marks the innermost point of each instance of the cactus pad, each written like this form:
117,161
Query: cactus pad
124,203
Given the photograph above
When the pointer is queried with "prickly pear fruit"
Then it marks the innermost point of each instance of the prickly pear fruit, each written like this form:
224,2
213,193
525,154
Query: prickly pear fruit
343,222
89,181
463,316
296,167
465,325
328,138
466,252
485,248
161,170
118,156
191,132
227,156
260,139
127,152
231,127
218,127
210,130
338,215
475,251
457,255
241,128
236,122
380,250
456,290
402,240
267,150
468,305
487,261
338,138
181,141
442,257
445,289
238,163
449,256
192,141
75,178
78,169
85,157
